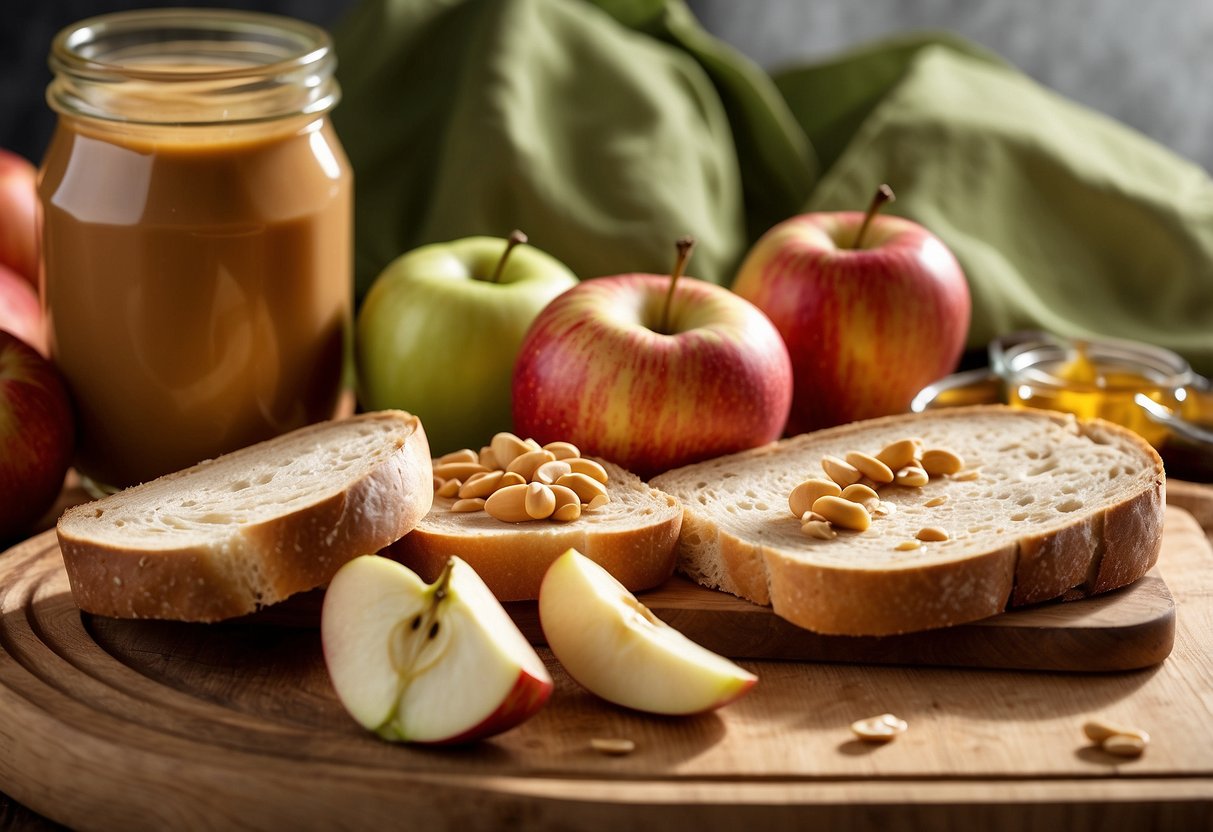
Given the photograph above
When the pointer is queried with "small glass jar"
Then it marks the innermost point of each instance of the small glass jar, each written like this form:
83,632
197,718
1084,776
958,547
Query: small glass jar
196,223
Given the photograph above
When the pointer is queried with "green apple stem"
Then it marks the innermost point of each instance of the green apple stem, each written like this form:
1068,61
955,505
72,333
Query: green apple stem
884,195
684,246
516,238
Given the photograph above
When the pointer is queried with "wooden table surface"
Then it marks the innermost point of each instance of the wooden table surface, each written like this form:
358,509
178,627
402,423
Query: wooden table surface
986,750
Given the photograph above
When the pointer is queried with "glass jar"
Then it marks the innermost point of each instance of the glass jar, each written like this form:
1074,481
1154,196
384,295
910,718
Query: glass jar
196,225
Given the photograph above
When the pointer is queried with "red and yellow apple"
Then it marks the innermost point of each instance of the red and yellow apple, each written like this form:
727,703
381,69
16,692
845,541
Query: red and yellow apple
872,308
615,647
437,664
18,216
20,309
652,372
36,436
438,332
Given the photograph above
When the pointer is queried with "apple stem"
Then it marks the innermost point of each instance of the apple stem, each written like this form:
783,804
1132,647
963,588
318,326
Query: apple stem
444,580
684,246
516,238
884,195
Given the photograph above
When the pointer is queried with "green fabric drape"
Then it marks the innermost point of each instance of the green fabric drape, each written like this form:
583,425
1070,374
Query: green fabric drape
607,129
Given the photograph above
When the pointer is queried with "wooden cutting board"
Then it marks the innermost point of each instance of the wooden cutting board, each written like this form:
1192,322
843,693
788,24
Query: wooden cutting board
148,725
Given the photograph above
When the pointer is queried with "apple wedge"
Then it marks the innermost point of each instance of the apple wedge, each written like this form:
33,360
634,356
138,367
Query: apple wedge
438,664
615,647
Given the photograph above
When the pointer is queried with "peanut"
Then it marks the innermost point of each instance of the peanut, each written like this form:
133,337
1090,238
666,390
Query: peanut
908,546
482,485
474,504
870,467
1098,730
804,495
590,468
1124,745
451,487
932,534
599,501
840,471
967,475
881,728
508,504
843,513
549,472
584,486
819,529
458,470
899,454
506,448
540,501
862,494
563,450
936,501
525,464
489,459
461,455
568,504
438,481
612,746
912,477
940,462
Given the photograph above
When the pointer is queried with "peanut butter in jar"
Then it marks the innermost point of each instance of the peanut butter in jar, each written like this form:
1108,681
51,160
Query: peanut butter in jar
196,216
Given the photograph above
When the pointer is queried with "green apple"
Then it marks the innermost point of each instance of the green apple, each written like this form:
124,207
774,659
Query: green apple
438,333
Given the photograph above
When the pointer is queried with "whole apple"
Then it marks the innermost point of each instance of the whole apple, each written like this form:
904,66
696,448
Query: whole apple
18,216
36,435
20,310
872,309
651,372
438,332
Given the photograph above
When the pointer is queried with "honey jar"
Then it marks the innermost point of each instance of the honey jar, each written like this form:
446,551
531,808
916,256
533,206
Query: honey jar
1149,390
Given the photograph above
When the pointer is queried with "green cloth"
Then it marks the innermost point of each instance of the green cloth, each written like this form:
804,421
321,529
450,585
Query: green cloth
607,129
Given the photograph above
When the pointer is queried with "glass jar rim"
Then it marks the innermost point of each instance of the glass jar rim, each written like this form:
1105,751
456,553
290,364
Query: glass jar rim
1024,356
235,66
66,56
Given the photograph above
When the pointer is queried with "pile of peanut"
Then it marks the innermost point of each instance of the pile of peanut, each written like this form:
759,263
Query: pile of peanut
517,480
848,497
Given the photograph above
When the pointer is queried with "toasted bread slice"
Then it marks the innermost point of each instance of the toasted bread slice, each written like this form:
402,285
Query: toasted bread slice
1058,508
633,536
250,528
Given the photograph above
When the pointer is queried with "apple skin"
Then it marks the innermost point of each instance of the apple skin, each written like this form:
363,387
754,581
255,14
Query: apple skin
436,664
20,310
592,371
435,337
18,216
36,436
866,328
613,646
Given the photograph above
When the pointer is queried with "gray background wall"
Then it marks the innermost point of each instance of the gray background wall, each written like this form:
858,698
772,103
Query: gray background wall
1147,64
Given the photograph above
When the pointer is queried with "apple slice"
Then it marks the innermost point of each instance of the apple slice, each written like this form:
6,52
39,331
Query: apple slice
616,648
434,664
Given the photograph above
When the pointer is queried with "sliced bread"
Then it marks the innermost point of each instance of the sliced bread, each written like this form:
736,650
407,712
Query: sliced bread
250,528
1057,508
633,536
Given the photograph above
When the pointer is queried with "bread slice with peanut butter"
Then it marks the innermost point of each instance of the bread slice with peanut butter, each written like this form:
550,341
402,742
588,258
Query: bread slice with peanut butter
510,525
1045,507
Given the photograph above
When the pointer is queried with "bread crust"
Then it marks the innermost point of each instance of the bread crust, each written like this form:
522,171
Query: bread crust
512,558
1100,551
294,552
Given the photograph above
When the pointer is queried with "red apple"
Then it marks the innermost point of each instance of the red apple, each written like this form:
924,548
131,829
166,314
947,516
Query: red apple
872,308
36,435
652,373
20,311
18,216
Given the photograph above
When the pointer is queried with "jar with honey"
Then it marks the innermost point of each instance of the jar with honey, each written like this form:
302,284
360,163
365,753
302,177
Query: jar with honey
196,220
